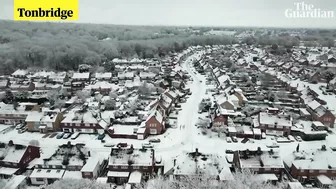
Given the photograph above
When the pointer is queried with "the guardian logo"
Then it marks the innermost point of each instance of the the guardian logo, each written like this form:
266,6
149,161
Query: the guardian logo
303,10
46,10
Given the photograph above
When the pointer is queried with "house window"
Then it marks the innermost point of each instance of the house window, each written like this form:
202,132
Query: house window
301,171
7,163
311,171
77,124
39,179
87,124
276,169
58,171
124,167
136,167
115,167
38,170
267,169
323,171
145,167
48,171
152,125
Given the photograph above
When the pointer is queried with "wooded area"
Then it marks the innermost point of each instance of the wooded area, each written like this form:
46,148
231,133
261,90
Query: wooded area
64,46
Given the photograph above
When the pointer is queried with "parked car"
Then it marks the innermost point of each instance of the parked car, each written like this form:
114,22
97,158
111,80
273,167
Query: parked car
298,138
19,126
291,138
75,135
60,135
101,136
147,145
155,140
109,145
234,139
66,135
228,140
22,130
273,145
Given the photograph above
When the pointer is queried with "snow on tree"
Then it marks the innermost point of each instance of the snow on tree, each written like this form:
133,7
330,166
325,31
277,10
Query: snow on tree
52,96
77,184
113,95
34,143
144,89
9,96
110,104
241,180
83,95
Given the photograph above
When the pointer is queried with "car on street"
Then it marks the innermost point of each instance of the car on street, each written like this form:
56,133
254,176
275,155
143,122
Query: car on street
273,145
60,135
228,140
66,135
155,140
291,138
147,145
101,136
22,130
234,139
75,135
19,126
298,138
109,145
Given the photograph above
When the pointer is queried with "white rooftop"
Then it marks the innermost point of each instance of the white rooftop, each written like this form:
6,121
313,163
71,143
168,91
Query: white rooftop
47,173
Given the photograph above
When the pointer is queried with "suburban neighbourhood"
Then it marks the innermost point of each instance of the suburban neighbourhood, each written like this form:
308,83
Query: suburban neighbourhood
208,110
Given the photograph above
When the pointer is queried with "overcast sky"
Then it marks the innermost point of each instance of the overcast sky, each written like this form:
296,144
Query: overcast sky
267,13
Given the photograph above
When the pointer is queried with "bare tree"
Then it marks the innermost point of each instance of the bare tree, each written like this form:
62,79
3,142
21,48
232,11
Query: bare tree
110,104
83,95
241,180
144,89
77,184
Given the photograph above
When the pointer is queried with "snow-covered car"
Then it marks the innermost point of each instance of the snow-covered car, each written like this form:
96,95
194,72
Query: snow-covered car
22,130
155,140
273,145
298,138
228,140
109,145
291,138
59,135
19,126
234,139
147,145
75,135
66,135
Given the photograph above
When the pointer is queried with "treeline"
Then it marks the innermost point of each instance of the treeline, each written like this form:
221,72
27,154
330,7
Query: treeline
65,46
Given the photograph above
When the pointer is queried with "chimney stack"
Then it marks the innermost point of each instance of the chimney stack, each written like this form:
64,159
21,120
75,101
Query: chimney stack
196,150
89,153
174,162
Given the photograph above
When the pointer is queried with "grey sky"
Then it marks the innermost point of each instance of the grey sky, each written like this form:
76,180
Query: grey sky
267,13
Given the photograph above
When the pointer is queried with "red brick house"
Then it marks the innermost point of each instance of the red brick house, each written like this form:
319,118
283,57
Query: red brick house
125,161
83,121
308,164
259,161
220,120
320,113
16,157
155,123
273,122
